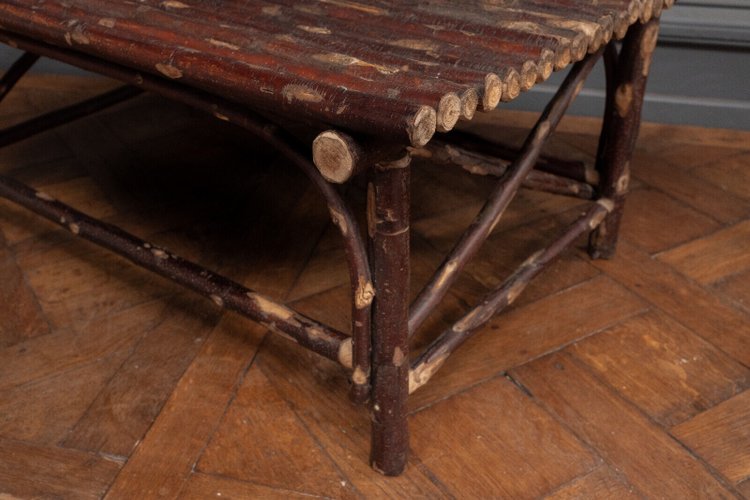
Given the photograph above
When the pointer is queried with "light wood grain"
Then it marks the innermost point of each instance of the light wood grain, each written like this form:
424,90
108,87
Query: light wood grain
18,303
662,367
691,305
162,462
668,173
202,486
155,380
721,436
600,418
602,482
737,289
522,335
714,257
498,437
728,174
648,225
31,471
291,459
126,406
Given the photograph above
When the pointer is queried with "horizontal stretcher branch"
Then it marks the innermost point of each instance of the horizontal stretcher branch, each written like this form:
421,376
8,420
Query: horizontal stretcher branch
223,292
477,163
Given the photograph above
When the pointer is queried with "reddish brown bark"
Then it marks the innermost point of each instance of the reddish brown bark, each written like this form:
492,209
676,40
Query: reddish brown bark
620,131
388,219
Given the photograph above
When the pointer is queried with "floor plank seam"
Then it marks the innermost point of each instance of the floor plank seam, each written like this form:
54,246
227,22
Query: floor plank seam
256,483
133,349
599,459
555,349
431,475
721,298
726,482
346,480
235,389
591,446
582,478
664,429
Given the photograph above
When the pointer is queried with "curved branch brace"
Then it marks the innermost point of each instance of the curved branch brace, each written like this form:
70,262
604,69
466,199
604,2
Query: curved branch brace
501,196
430,361
360,279
355,351
222,291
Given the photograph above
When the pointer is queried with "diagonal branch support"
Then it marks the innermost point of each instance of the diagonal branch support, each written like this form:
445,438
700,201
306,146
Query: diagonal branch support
16,72
48,121
500,198
435,355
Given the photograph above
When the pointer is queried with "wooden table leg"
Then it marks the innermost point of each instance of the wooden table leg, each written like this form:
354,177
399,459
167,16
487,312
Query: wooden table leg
620,129
388,223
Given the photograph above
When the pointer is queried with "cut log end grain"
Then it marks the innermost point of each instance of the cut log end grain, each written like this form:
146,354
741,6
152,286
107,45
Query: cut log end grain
345,354
545,65
335,155
422,126
529,75
578,47
563,57
493,92
448,112
469,102
511,85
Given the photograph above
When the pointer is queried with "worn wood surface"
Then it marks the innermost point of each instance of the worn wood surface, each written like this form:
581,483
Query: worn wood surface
378,66
602,482
720,435
112,380
624,437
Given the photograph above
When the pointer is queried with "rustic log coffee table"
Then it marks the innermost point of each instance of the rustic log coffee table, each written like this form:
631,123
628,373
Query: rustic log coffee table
369,83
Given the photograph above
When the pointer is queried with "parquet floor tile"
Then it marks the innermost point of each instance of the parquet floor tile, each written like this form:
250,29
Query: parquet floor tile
606,379
721,436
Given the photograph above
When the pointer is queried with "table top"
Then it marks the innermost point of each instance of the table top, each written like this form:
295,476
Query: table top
392,68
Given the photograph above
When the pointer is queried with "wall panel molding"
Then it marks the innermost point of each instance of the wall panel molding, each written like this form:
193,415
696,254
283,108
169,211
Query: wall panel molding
722,23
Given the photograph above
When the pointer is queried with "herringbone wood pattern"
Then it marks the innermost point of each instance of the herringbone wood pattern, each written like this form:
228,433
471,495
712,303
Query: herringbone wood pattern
605,380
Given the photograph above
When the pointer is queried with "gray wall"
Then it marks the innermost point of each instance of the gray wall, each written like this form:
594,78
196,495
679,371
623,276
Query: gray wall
699,76
696,86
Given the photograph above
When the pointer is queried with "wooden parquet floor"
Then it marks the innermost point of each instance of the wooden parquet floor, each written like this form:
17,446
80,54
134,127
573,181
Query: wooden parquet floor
624,378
